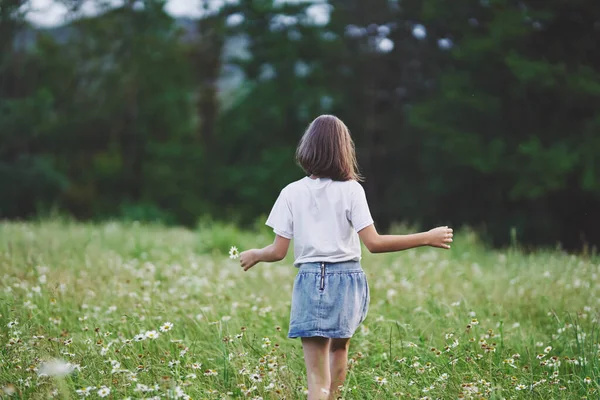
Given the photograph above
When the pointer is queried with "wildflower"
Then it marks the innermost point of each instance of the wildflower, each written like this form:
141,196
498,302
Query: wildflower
152,335
510,362
587,380
210,372
56,368
196,365
234,253
474,321
85,392
139,337
256,377
12,324
521,387
548,349
104,391
167,326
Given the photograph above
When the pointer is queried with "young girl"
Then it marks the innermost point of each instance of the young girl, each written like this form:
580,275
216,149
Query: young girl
326,213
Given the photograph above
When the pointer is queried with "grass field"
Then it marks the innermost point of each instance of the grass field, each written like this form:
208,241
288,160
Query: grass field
144,311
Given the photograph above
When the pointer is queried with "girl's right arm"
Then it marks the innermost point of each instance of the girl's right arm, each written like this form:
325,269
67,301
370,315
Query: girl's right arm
376,243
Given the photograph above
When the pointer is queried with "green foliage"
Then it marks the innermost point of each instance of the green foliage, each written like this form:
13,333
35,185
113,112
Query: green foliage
136,115
468,323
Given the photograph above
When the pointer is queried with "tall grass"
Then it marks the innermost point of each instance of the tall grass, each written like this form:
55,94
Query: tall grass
465,323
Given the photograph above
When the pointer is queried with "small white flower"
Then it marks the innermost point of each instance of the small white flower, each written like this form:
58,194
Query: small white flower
152,335
167,326
380,381
139,337
12,324
56,368
548,349
85,392
234,253
104,391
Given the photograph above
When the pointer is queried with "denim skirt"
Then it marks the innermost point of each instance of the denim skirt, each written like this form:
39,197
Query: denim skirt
329,300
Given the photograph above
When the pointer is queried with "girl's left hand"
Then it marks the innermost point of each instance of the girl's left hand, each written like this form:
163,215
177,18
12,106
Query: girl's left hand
249,259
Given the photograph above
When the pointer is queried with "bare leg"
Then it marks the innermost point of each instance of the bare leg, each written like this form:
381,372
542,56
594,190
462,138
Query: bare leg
316,358
338,362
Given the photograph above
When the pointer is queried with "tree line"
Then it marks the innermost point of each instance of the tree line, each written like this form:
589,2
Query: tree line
484,113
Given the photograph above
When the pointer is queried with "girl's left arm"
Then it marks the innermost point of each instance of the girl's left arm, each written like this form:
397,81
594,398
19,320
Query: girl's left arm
273,252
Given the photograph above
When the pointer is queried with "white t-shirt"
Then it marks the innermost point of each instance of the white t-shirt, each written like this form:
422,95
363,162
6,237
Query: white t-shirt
323,217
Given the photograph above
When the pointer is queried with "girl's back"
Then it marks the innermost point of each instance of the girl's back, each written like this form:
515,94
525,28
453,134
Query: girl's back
323,217
326,213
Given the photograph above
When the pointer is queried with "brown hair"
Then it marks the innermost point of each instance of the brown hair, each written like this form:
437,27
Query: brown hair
326,150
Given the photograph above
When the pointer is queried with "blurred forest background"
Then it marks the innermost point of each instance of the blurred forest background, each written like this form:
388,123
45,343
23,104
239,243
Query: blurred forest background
482,112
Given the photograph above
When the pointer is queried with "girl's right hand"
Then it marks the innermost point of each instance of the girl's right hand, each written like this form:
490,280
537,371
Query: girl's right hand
440,237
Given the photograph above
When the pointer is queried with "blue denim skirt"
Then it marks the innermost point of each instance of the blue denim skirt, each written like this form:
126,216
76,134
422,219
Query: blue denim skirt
329,300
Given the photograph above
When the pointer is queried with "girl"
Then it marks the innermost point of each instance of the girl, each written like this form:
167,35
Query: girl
326,213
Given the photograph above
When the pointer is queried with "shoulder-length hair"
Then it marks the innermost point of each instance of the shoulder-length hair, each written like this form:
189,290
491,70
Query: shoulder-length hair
326,150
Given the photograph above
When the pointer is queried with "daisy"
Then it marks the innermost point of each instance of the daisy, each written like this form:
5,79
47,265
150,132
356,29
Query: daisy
152,335
167,326
104,391
380,381
234,253
85,391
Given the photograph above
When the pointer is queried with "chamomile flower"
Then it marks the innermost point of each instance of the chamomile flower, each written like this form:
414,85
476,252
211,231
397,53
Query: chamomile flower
56,368
152,335
234,253
104,391
167,326
86,391
380,381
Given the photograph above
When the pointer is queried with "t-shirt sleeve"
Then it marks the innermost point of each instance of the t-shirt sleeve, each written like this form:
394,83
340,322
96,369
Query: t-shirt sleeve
280,218
360,215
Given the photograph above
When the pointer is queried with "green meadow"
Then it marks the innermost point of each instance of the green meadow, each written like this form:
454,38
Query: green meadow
137,311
